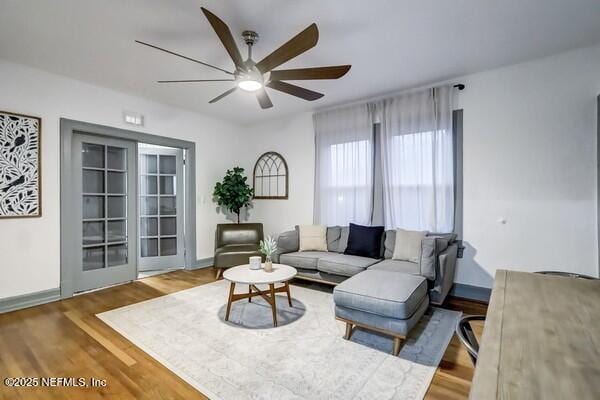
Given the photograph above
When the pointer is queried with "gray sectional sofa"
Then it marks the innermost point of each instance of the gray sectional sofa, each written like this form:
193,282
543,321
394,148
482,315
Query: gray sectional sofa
437,263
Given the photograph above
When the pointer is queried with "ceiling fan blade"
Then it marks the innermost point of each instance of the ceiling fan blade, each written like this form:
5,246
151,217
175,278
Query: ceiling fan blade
224,34
295,90
333,72
295,46
197,80
182,56
263,99
219,97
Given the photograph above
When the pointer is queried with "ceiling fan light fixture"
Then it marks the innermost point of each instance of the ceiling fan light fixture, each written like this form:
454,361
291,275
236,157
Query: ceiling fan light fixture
251,76
250,85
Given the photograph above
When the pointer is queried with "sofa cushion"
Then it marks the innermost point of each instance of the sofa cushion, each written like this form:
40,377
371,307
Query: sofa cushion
406,267
408,245
302,259
342,264
337,238
386,293
429,249
343,243
333,237
288,241
364,241
443,240
431,246
389,243
313,237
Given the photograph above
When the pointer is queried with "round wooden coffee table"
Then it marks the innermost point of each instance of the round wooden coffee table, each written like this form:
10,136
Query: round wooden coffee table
242,274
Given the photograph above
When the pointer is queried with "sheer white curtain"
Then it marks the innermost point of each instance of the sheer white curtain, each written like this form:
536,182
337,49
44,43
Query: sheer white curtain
344,166
417,160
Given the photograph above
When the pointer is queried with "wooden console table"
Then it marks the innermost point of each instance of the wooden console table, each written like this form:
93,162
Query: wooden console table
541,339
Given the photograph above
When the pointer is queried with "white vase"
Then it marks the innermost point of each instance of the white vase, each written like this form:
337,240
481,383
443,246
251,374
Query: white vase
255,262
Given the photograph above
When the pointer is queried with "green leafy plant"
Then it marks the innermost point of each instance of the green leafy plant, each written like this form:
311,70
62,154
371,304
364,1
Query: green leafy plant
268,246
233,193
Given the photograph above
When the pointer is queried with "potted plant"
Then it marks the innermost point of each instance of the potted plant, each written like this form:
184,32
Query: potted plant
233,193
268,247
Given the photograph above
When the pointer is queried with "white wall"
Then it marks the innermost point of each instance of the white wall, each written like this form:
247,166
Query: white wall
293,138
529,158
30,248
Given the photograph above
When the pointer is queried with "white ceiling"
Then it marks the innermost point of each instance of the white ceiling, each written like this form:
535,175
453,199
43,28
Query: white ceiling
391,44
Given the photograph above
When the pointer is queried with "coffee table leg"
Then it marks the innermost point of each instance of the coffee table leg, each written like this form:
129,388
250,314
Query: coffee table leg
273,303
230,300
287,289
250,293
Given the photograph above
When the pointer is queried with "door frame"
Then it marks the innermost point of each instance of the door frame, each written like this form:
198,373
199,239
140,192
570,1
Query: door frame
68,234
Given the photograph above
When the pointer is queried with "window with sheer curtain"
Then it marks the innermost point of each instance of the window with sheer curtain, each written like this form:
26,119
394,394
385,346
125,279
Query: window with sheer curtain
413,166
419,190
417,156
344,157
347,195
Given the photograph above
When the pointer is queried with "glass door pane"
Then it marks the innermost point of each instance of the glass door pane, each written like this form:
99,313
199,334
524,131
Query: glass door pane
104,211
161,207
92,155
116,158
104,174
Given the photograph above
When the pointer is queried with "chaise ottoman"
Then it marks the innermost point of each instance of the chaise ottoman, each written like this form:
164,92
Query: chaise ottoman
388,302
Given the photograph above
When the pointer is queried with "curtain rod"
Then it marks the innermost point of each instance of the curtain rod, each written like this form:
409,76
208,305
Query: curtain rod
459,86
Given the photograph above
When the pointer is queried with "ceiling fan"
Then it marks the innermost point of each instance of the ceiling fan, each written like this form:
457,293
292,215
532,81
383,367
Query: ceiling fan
254,76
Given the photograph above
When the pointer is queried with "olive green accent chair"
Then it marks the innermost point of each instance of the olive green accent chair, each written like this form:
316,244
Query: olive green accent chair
235,244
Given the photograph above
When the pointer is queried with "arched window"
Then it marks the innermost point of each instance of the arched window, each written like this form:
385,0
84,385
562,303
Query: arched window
270,177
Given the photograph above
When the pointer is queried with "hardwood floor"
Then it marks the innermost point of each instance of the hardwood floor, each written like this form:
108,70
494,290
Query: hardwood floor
65,339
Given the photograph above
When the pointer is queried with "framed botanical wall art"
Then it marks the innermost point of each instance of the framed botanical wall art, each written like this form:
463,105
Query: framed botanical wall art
20,168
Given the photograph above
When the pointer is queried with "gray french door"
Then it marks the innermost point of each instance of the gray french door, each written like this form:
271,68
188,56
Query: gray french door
105,183
161,208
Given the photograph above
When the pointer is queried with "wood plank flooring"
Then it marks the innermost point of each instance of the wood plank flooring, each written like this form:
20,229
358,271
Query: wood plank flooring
65,339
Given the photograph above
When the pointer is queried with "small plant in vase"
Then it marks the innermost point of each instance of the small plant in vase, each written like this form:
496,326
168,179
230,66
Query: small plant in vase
268,247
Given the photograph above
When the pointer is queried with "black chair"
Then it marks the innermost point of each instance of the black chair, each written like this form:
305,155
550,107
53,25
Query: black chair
566,274
467,337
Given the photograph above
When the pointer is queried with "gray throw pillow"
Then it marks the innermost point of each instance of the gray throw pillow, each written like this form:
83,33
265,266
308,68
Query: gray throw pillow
343,243
388,244
408,245
288,242
333,238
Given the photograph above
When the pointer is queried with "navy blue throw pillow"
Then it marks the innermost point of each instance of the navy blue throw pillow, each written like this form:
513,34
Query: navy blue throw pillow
364,241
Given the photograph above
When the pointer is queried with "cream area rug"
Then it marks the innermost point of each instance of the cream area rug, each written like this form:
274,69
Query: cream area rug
305,357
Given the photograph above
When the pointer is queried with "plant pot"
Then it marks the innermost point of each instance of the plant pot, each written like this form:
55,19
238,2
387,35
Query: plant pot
268,265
